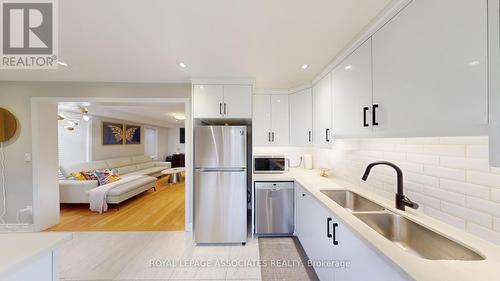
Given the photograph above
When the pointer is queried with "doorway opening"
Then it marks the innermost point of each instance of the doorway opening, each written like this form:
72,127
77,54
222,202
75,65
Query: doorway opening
118,166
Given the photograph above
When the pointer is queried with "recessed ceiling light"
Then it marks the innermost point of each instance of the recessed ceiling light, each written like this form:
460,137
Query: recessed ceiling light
201,87
474,63
179,116
181,64
62,63
304,66
348,67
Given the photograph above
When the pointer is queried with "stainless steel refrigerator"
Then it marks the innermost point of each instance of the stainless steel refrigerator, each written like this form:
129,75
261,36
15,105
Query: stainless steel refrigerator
220,184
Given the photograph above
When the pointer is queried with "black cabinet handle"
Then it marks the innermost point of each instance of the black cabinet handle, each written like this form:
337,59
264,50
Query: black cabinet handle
374,115
310,136
335,225
328,234
272,134
269,136
225,108
327,135
303,194
220,108
365,109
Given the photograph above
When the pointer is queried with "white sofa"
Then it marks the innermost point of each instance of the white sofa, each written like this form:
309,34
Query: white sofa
76,191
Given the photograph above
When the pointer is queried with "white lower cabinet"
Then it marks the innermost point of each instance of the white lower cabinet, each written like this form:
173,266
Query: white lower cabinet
336,252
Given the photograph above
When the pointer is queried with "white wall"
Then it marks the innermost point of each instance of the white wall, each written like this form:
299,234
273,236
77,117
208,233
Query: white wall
173,142
449,177
73,145
102,152
16,97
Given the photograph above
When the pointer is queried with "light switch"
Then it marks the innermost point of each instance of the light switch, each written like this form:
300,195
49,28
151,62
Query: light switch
27,157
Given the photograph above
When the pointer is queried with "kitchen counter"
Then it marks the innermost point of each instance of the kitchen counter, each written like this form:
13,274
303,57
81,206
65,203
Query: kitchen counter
19,250
414,266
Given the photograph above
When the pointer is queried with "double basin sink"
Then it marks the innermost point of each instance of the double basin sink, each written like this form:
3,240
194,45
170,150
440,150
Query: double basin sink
409,235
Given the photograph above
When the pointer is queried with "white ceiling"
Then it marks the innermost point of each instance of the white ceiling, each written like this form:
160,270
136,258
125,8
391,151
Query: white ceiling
161,115
141,41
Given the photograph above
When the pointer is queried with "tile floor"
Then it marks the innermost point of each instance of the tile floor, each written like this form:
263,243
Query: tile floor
127,256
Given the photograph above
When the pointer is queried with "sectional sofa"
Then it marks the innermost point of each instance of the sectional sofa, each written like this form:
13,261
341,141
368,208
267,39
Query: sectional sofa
76,191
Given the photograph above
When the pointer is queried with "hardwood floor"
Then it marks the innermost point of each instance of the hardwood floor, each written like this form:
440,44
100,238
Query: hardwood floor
150,211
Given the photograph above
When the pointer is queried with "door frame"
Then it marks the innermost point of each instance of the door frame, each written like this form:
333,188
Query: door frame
40,223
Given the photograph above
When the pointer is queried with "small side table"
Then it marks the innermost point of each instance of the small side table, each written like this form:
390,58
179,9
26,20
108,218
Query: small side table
175,174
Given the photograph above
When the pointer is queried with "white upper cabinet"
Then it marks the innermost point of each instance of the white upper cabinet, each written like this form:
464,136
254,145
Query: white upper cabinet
261,122
301,118
279,120
238,101
352,94
322,108
222,101
270,120
430,70
208,101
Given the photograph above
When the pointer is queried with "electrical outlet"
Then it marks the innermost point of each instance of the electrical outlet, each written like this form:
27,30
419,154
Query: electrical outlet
27,157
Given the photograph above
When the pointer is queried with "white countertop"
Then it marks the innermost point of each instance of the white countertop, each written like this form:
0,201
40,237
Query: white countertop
416,267
19,249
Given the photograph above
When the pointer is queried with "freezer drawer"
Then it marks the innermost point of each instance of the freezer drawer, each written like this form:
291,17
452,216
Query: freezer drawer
220,200
274,208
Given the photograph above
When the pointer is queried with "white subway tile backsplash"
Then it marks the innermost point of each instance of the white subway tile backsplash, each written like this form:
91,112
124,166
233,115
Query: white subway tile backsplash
497,224
476,164
495,194
444,195
447,218
484,205
468,214
445,150
477,151
423,158
487,179
449,177
464,140
484,232
442,172
465,188
422,179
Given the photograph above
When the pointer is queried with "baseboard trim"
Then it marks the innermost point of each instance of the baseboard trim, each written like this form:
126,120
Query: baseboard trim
12,227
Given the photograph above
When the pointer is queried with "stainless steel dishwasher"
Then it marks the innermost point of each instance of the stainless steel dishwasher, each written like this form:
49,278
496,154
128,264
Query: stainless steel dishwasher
274,208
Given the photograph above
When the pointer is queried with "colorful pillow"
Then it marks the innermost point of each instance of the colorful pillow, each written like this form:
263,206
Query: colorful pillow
106,176
79,176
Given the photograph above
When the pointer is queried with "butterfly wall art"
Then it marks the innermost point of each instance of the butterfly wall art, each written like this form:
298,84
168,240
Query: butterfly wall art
115,133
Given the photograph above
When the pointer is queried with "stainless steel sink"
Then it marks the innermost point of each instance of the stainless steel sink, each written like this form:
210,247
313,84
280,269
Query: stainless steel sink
416,238
352,201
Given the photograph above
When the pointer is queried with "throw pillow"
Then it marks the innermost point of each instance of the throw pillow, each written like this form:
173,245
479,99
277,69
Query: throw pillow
79,176
106,176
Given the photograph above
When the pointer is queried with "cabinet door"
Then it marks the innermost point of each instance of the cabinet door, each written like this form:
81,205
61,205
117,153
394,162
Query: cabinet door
261,122
301,117
352,94
279,120
364,263
237,101
313,236
322,108
208,101
430,69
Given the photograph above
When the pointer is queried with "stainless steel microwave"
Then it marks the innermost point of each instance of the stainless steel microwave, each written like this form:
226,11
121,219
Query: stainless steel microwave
270,164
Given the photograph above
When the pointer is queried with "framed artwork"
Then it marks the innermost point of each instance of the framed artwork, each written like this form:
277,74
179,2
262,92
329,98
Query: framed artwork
112,133
132,134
